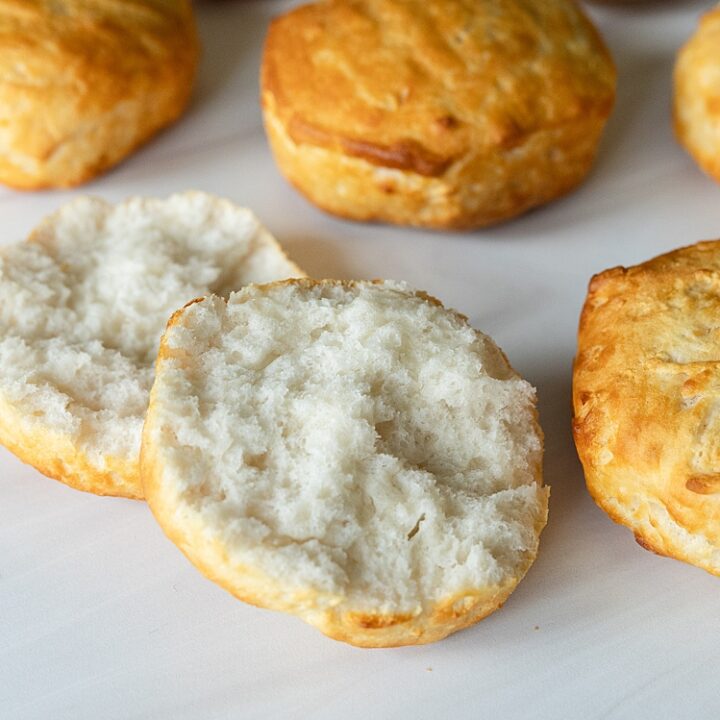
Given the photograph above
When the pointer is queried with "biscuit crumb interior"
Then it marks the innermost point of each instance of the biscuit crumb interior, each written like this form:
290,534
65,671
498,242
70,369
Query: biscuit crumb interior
83,305
354,442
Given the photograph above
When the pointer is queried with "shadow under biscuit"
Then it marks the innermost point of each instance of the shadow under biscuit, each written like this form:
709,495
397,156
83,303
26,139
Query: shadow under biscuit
318,257
232,33
632,162
562,470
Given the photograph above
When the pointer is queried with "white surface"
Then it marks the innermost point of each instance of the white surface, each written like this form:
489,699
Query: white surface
100,615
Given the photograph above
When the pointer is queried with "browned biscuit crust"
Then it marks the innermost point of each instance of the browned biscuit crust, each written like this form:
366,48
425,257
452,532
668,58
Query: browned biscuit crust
84,82
646,388
447,113
696,107
55,456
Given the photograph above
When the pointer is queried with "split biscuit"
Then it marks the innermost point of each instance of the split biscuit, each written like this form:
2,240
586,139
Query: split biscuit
83,304
352,453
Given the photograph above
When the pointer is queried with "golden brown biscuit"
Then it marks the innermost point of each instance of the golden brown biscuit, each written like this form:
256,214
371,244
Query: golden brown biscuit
697,94
646,393
442,113
84,82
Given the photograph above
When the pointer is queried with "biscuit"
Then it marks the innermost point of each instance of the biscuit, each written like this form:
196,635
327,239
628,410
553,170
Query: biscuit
352,453
696,105
645,399
83,83
83,304
440,113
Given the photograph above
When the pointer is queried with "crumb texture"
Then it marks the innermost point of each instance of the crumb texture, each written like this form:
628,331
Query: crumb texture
84,302
356,445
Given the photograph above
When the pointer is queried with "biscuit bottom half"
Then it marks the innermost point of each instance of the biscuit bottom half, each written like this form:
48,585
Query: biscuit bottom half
351,453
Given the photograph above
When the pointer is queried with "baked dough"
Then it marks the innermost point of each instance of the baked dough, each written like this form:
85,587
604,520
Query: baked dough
83,304
697,94
435,113
352,453
84,82
646,398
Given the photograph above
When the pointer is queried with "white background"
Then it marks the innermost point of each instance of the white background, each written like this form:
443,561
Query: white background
101,617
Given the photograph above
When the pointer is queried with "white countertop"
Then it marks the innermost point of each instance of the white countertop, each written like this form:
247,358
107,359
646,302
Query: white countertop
102,618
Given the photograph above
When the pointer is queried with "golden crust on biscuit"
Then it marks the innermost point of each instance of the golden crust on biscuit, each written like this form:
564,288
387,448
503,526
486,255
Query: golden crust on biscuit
448,113
645,399
57,457
697,95
83,83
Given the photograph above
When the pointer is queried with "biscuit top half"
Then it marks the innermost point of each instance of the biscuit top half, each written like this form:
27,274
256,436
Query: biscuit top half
647,386
82,56
96,36
418,84
697,93
109,35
